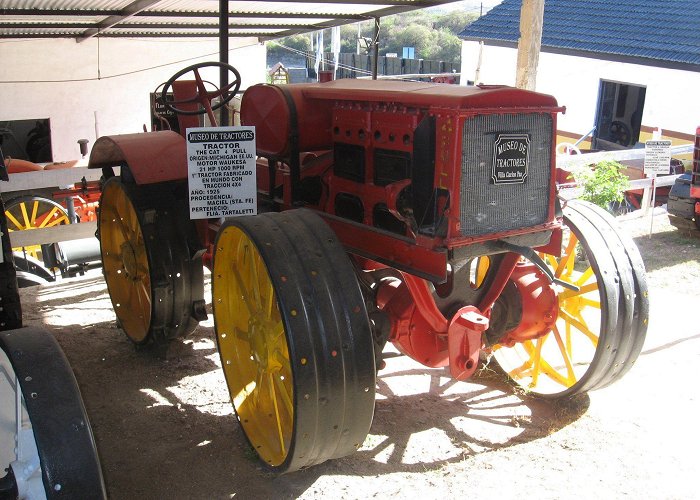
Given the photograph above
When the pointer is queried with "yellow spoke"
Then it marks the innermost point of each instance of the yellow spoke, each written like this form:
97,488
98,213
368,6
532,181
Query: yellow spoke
538,358
571,378
25,216
12,219
243,290
567,257
590,302
278,417
567,294
283,391
47,217
579,325
35,209
584,276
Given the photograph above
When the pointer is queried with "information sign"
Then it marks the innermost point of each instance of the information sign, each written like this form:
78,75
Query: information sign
221,171
657,157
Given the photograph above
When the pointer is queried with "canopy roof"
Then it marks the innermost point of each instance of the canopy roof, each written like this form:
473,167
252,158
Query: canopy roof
271,19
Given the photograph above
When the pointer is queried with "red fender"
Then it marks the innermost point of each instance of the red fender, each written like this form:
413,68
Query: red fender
151,157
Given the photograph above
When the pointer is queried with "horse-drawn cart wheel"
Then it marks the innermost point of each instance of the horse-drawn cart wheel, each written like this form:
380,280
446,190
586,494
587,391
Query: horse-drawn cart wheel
600,329
294,338
47,448
150,261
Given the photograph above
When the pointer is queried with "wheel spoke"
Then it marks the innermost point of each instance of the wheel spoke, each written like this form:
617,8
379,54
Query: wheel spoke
537,364
571,378
567,260
11,218
278,418
46,219
25,216
567,294
580,325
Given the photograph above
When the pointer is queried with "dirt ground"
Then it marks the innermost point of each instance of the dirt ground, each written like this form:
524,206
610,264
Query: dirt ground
165,428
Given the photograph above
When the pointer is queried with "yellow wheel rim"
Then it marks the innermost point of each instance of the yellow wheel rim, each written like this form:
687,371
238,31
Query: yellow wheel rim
554,363
253,345
34,213
125,261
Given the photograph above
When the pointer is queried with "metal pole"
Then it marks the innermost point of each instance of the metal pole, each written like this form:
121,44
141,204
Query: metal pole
375,49
223,56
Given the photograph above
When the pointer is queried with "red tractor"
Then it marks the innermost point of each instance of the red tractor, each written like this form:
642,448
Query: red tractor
420,214
684,198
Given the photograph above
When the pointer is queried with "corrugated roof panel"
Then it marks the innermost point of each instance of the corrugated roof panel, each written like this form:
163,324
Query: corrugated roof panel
664,30
278,17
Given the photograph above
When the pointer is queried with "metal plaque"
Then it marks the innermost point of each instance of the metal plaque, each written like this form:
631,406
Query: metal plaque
511,156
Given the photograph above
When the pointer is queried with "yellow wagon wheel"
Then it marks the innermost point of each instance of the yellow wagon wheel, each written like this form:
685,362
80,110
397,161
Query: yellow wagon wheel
600,329
294,338
33,212
150,260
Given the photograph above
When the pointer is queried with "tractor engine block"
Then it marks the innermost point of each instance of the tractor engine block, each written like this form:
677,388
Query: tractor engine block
435,166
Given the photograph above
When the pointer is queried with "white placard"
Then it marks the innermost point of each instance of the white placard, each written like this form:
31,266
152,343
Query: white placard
657,157
221,171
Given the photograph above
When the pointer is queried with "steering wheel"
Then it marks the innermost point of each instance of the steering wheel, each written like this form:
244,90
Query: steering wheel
203,96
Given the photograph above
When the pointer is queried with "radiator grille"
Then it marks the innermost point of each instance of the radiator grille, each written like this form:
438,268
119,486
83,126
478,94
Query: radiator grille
491,207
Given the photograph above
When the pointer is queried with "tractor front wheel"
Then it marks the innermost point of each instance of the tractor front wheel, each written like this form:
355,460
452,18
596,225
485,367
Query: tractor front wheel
600,328
150,263
294,338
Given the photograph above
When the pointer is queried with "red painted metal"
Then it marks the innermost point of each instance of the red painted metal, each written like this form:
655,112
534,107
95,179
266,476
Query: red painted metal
464,341
188,89
493,98
419,329
280,112
389,249
540,304
151,157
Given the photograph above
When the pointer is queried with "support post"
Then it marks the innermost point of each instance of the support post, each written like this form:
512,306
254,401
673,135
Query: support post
375,49
223,56
531,20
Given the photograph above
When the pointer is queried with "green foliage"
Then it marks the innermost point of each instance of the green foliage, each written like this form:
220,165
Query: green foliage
604,184
433,35
276,50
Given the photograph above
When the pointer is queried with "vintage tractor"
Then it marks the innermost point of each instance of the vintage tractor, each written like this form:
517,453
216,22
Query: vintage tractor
684,198
421,214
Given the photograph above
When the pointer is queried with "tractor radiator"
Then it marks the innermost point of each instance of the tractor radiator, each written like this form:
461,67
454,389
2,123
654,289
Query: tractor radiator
506,170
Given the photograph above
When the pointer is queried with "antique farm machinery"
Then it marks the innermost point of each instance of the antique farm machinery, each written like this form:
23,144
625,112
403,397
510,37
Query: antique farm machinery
420,214
41,207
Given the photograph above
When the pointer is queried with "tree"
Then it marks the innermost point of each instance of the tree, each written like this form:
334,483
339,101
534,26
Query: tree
433,35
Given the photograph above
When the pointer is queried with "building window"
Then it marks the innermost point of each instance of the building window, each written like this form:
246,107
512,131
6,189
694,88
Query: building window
619,115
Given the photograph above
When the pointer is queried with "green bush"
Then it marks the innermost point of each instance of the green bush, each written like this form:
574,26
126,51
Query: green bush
603,184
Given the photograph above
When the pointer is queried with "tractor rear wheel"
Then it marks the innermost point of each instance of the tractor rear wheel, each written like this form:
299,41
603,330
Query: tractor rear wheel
150,261
294,338
600,329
